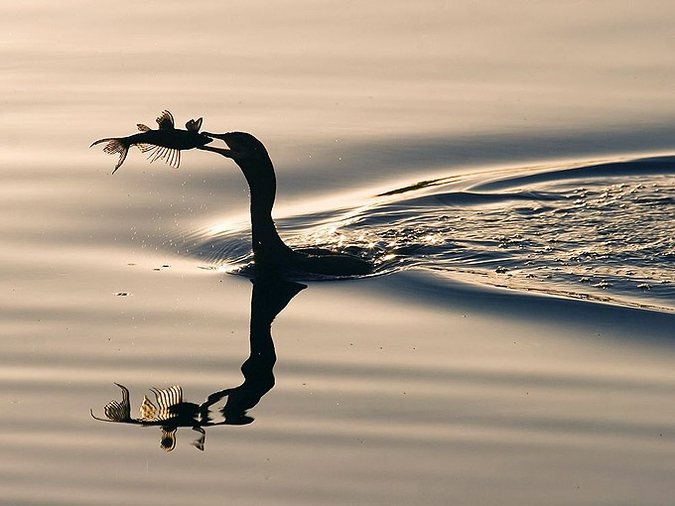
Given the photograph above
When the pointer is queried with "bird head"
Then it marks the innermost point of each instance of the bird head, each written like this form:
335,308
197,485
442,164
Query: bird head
242,146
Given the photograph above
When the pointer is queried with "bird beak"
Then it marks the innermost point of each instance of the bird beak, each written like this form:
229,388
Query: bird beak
229,153
221,151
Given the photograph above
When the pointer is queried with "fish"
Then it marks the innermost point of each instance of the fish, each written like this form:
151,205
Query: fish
165,143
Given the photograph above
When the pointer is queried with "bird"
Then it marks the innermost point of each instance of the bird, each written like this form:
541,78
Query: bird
270,253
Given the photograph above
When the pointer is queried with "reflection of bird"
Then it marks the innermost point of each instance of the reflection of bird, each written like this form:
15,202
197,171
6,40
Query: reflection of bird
271,294
269,250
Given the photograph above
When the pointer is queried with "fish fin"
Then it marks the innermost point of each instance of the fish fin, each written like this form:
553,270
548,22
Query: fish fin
194,124
148,412
161,154
142,127
99,142
173,159
119,411
123,156
113,147
165,121
166,399
157,153
154,150
170,156
146,147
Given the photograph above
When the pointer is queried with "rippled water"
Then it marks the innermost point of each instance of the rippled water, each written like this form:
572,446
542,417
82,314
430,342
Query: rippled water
600,231
507,165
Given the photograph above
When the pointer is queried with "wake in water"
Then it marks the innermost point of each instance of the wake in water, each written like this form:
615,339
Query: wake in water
600,231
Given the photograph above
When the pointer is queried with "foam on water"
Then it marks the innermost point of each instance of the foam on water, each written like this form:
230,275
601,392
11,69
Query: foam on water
595,230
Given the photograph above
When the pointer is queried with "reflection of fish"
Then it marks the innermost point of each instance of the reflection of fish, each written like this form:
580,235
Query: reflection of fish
119,411
171,412
165,143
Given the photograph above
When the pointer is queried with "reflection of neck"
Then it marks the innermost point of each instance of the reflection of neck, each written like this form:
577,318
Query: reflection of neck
270,296
267,245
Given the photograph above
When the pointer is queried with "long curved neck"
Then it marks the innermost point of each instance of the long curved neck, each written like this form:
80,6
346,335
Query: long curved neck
267,245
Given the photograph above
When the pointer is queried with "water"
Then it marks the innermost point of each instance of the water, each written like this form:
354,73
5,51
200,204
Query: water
507,167
597,231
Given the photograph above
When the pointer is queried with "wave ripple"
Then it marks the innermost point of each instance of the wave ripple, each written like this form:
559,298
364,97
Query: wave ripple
598,231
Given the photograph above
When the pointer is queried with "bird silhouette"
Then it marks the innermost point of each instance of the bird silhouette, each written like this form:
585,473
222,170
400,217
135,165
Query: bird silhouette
269,250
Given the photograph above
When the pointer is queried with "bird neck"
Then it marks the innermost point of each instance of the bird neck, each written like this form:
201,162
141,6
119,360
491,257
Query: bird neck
267,245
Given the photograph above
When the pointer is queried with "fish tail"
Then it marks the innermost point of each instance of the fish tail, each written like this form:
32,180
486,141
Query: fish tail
115,146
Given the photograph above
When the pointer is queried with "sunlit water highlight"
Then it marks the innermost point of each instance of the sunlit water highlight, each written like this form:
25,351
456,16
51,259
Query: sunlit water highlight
407,388
601,231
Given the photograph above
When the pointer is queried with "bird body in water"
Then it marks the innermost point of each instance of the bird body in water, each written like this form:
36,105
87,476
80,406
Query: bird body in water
269,250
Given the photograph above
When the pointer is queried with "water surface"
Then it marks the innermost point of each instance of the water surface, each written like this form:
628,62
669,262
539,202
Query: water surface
508,167
598,231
